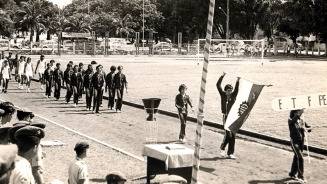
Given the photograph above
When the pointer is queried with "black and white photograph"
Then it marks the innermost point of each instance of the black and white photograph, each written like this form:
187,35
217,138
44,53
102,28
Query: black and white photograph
163,91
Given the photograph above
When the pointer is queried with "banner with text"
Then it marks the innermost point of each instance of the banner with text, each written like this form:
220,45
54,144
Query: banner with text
300,102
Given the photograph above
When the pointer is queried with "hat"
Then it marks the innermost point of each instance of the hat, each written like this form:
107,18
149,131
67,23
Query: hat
39,125
81,146
14,129
22,114
7,158
93,62
29,132
115,177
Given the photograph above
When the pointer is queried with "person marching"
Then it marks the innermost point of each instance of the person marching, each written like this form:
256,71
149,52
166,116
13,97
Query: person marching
21,67
15,62
120,83
182,101
297,128
58,76
48,77
87,80
98,80
67,79
228,97
82,72
110,86
40,68
28,74
76,82
5,71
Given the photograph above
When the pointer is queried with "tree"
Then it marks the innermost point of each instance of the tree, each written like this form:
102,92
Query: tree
6,17
320,18
294,22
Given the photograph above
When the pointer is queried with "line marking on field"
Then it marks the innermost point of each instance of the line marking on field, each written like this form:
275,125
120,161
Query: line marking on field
86,136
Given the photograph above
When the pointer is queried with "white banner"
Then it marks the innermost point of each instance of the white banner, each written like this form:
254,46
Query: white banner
300,102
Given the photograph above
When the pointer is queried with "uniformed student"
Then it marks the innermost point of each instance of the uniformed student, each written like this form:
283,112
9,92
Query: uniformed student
40,68
182,101
110,86
67,79
7,109
21,67
58,77
78,170
98,80
116,178
87,80
28,71
48,77
8,155
82,72
120,84
27,140
297,128
76,82
228,97
5,71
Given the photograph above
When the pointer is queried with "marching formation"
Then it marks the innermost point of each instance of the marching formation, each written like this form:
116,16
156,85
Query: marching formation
92,82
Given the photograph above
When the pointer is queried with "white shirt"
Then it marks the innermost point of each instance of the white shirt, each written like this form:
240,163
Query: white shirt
78,170
22,174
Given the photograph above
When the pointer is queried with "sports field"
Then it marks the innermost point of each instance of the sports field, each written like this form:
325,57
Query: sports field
160,77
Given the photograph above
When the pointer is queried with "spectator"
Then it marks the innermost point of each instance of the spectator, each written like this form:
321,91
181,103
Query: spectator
8,155
6,111
27,139
116,178
78,172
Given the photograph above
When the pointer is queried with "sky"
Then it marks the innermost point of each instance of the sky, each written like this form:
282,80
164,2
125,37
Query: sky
61,3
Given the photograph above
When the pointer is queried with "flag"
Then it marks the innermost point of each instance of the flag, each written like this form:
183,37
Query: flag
248,94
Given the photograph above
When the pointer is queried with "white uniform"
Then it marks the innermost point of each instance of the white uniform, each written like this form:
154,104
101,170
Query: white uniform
41,68
22,174
21,67
78,170
5,72
28,70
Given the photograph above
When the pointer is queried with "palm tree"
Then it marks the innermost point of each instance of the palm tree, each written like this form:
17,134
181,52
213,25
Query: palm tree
79,22
32,16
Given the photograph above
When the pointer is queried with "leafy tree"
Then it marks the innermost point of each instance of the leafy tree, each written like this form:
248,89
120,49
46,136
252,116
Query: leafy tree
6,17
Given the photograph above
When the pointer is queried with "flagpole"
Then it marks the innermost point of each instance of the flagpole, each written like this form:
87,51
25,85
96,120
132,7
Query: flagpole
200,117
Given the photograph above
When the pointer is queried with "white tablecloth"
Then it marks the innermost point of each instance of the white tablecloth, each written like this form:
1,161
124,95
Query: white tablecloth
174,155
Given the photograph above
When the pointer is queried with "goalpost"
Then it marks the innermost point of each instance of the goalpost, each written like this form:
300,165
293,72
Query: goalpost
233,48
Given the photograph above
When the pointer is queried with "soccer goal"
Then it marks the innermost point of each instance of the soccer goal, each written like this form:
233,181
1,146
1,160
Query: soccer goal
233,48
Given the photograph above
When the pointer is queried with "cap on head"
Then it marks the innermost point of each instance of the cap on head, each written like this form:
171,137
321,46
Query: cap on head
27,132
81,146
7,158
93,63
7,108
23,114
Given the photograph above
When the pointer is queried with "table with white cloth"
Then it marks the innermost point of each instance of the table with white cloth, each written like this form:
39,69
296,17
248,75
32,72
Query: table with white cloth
172,159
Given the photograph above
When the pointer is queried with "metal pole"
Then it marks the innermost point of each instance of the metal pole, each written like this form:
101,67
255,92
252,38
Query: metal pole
143,30
200,117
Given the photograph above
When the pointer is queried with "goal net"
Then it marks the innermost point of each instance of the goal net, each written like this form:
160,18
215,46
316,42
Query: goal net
233,48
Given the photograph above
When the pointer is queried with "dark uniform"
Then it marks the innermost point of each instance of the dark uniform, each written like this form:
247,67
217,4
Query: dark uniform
48,77
82,72
297,135
67,79
110,86
87,83
181,103
76,83
226,104
58,77
98,80
120,83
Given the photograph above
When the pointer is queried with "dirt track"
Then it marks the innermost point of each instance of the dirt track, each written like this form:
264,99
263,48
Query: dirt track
256,163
